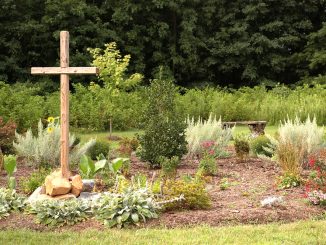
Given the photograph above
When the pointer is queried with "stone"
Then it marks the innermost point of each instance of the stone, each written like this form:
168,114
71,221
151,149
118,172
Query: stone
64,197
272,201
89,196
56,185
76,185
88,185
35,195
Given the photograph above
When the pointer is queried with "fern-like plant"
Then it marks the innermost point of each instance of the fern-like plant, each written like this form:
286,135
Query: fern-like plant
44,148
210,130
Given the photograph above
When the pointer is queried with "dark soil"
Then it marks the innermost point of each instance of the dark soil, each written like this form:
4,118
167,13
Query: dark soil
251,181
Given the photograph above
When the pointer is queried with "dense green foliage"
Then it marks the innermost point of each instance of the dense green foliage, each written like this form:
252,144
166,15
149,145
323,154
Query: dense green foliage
258,144
194,192
219,41
164,129
90,108
59,213
9,201
130,207
100,147
242,146
34,180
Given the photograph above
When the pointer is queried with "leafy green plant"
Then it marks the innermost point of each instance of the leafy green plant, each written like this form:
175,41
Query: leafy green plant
88,168
209,130
259,144
207,165
169,166
100,147
130,207
164,128
59,213
44,148
35,180
288,180
194,192
242,147
225,184
9,201
10,165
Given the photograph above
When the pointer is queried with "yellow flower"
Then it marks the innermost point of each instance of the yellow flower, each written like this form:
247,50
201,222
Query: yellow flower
50,130
51,120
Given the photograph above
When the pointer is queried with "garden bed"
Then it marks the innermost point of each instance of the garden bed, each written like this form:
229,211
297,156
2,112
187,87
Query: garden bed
247,183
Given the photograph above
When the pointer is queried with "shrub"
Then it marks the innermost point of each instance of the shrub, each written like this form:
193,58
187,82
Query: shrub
207,165
7,136
203,131
127,146
44,148
59,213
100,147
242,147
258,146
164,129
169,166
35,180
130,207
195,194
9,201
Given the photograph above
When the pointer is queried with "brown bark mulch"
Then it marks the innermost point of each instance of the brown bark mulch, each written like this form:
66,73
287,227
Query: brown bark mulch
251,181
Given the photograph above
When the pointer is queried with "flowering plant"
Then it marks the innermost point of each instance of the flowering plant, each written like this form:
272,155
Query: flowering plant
316,184
52,123
212,149
317,197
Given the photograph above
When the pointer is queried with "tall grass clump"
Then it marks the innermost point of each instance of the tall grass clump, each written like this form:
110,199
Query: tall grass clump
209,130
294,142
43,149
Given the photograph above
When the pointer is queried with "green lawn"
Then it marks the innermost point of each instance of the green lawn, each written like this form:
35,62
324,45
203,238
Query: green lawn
130,133
304,232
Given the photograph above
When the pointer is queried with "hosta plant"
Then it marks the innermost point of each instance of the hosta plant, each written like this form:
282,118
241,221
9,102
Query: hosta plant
59,213
88,168
130,207
9,201
10,165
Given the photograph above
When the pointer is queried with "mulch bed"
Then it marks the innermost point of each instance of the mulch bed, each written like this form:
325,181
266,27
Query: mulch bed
251,181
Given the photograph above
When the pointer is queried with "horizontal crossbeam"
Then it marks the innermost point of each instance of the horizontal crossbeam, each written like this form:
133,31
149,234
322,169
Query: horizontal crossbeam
64,70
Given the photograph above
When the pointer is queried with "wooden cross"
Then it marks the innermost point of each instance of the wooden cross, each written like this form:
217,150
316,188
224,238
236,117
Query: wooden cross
64,71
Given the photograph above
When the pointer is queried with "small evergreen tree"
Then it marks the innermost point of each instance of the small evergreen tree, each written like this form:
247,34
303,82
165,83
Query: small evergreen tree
164,128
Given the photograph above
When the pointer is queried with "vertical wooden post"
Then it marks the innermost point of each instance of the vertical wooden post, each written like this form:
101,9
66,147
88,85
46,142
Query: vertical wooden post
64,104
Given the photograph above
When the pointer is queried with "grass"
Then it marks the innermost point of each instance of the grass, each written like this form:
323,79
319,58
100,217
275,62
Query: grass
303,232
131,133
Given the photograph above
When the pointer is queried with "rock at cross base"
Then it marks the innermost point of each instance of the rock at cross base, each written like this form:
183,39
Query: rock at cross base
76,185
64,197
56,185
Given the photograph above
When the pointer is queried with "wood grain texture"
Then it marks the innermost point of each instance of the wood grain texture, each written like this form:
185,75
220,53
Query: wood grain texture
64,104
64,71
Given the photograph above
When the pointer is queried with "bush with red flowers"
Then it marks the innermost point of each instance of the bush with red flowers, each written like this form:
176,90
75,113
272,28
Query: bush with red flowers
316,183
